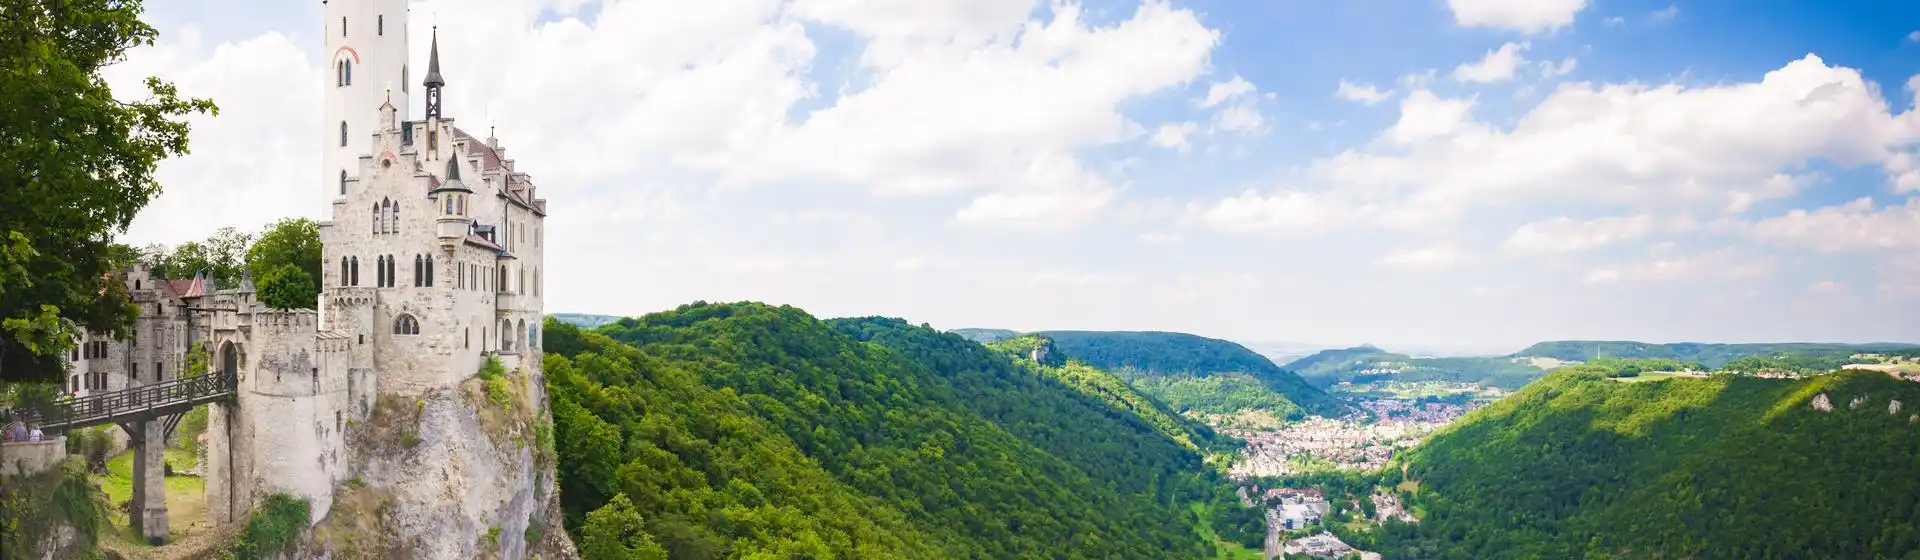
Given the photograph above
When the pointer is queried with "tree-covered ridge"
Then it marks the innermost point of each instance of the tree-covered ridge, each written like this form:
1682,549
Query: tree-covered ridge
1110,390
1142,356
744,430
1713,356
584,320
984,336
1367,364
1580,465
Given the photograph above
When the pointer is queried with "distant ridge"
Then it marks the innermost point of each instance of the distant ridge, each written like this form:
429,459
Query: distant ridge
1712,355
583,320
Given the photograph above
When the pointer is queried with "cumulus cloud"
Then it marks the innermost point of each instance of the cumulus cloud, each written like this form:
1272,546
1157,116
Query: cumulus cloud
1566,235
1718,265
1235,108
1526,16
1425,116
1638,146
1855,225
1498,65
1173,135
1422,257
1361,92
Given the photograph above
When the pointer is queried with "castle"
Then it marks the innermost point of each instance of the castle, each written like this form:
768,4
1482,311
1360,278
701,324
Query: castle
432,264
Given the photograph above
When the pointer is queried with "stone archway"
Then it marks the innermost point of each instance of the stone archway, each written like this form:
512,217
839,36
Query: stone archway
229,359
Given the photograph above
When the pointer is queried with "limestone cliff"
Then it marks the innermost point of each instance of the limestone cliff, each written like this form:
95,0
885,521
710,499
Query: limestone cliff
458,472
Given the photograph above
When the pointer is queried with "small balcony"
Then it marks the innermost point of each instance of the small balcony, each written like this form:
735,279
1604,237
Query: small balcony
506,301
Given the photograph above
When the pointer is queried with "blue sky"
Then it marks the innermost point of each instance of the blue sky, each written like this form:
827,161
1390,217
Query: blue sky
1467,174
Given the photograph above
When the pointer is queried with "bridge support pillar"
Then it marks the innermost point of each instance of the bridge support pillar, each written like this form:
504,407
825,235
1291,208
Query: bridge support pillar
149,501
219,468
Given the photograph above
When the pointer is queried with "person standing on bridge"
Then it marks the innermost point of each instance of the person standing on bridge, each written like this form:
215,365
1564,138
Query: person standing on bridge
35,435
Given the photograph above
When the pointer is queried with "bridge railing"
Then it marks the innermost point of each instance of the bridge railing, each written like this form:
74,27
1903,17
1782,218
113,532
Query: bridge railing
143,401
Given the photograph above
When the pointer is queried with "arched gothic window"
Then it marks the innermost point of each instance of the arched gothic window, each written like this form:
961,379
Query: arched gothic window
343,182
354,273
429,271
343,134
380,25
340,73
418,278
379,271
391,277
406,324
349,73
343,271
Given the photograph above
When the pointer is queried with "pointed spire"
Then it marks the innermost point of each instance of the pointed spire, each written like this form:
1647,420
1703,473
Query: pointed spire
453,170
433,62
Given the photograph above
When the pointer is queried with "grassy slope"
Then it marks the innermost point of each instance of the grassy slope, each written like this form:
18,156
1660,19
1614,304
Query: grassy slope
1577,465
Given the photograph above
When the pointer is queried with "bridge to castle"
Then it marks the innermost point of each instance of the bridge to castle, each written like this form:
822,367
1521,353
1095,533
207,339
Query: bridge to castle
148,414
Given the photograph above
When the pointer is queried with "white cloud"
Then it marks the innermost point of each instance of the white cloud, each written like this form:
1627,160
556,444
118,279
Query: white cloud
1361,92
1006,115
1664,14
1855,225
1079,280
1423,257
924,264
1826,287
241,172
1235,107
1914,36
1668,147
1550,70
1173,135
1718,265
1425,116
1285,211
1498,65
1526,16
1565,235
1227,91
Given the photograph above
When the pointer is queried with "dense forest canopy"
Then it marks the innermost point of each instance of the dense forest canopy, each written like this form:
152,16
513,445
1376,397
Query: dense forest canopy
1163,363
744,430
1713,356
1366,364
1582,464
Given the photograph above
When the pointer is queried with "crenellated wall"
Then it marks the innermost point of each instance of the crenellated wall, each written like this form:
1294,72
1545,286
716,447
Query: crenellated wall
287,431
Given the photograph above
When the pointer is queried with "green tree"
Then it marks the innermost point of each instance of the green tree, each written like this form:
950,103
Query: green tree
290,241
76,164
222,256
287,287
616,531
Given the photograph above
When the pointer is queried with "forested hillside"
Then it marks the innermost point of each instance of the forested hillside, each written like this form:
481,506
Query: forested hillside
984,336
1713,356
1580,465
1194,372
1367,364
744,430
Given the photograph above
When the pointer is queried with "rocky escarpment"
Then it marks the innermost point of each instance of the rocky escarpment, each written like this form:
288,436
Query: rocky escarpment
459,472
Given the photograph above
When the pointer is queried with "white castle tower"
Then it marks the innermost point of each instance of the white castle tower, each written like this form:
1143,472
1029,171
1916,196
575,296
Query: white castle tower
366,56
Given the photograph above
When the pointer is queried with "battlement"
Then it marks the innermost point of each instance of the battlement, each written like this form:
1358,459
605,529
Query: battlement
280,323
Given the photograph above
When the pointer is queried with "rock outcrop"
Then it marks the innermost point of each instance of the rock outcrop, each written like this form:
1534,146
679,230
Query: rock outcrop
459,472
